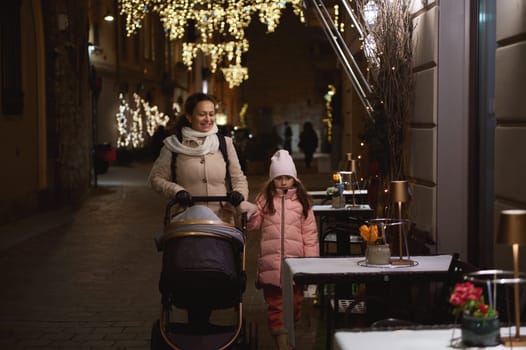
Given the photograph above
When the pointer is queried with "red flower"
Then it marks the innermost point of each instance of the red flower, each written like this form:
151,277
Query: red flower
468,299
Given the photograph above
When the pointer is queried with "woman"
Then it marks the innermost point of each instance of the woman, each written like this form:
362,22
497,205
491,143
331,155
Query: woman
283,213
192,164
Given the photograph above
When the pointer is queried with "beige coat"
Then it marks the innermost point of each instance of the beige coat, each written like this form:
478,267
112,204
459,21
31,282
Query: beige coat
201,176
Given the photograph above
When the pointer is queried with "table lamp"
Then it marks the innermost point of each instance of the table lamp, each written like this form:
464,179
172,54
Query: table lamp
400,194
512,231
351,171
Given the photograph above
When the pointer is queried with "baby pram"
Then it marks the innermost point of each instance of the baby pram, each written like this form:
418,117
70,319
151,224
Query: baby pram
203,269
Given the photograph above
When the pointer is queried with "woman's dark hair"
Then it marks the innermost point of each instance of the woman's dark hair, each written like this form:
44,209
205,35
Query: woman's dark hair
269,191
192,101
189,106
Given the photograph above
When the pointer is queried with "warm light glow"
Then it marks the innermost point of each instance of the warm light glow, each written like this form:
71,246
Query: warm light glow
231,51
219,25
235,75
130,121
370,12
328,118
243,116
221,118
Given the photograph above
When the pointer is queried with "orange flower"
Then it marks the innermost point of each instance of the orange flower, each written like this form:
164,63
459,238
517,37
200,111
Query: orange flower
369,234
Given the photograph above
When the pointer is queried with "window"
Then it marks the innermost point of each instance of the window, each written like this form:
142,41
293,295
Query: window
12,97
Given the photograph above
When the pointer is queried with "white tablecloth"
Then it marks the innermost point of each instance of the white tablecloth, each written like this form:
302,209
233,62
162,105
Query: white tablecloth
351,268
329,210
347,193
422,339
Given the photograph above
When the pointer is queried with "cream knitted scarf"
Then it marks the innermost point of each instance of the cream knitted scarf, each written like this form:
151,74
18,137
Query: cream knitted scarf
195,143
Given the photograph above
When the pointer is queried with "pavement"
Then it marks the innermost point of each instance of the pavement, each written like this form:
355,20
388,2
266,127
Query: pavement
86,278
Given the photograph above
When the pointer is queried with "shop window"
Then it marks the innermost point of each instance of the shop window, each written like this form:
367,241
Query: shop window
12,97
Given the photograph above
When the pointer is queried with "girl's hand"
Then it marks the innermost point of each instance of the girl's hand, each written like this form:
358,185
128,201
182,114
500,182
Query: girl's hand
248,207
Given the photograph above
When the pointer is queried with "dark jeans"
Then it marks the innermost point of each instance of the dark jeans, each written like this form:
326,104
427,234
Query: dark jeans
308,159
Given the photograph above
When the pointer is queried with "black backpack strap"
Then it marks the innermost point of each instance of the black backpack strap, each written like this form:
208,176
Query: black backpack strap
172,165
222,148
224,152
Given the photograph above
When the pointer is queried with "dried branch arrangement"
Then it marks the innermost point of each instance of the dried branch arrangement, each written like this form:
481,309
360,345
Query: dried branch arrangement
387,46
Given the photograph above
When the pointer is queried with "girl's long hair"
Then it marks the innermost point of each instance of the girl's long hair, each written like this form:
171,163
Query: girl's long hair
269,190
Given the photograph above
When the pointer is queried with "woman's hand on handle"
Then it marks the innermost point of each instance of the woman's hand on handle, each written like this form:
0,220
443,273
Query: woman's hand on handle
184,198
236,198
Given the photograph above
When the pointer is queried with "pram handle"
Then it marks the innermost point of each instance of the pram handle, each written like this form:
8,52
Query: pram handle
195,199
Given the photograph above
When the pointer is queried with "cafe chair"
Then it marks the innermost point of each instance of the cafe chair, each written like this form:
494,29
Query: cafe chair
330,239
353,308
457,270
393,323
342,238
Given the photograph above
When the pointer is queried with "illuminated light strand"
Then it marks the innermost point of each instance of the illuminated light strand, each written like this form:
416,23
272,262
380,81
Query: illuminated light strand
220,24
130,122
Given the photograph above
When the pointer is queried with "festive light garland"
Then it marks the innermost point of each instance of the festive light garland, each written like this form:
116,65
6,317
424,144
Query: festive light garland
130,121
220,24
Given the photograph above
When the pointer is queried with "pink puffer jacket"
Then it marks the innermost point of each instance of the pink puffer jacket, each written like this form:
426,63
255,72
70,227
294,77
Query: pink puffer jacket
286,233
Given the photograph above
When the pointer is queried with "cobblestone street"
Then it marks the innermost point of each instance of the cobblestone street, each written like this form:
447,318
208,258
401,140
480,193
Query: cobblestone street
87,278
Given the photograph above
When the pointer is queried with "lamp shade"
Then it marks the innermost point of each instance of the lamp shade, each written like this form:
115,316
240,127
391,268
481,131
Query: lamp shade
353,165
400,191
512,227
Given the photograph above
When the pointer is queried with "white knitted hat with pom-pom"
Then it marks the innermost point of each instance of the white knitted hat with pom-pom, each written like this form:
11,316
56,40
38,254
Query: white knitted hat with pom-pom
281,164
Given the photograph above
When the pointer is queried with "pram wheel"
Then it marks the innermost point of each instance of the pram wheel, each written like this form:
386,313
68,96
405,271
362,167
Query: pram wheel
156,339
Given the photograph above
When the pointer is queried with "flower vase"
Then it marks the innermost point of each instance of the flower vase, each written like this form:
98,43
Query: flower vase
378,254
338,202
478,331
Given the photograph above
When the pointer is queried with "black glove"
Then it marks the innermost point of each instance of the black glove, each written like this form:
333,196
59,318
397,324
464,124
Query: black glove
236,198
184,198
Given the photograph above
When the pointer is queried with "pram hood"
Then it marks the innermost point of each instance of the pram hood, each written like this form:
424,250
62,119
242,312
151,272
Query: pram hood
200,218
202,252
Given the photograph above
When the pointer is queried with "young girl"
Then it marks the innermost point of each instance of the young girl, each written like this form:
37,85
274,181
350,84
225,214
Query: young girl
284,214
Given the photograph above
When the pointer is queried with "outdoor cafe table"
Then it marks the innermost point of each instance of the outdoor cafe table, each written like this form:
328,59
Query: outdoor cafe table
360,195
352,269
411,339
329,210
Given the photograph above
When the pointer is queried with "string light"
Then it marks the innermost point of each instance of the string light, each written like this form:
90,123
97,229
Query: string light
235,74
243,116
220,25
231,51
328,119
130,121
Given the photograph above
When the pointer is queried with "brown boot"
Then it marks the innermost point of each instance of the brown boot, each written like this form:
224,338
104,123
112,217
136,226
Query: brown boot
282,341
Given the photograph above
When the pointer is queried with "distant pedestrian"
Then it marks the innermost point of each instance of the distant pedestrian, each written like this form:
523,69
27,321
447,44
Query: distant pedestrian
283,213
308,142
287,144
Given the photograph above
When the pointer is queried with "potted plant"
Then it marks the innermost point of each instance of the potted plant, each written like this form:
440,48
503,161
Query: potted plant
480,324
336,191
